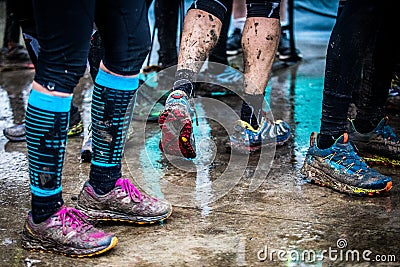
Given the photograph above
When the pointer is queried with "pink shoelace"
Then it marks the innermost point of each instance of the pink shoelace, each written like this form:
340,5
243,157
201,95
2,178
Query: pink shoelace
76,219
128,187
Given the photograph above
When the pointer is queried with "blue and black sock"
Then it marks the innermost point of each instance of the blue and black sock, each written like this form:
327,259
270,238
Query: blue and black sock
112,97
252,107
184,81
47,120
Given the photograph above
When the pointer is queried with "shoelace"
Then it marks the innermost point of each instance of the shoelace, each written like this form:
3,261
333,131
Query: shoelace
74,217
129,188
349,159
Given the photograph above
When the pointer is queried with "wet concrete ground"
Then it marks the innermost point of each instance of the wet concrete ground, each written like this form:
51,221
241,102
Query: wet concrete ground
209,226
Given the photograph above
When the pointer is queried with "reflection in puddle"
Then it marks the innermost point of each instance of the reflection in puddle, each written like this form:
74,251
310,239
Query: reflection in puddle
307,112
204,150
150,161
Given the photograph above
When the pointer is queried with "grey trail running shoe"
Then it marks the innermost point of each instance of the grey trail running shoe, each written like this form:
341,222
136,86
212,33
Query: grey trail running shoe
17,133
380,146
67,232
247,140
124,203
340,168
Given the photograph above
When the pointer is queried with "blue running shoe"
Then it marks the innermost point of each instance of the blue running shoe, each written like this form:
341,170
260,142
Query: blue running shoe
216,82
381,146
247,140
175,121
340,168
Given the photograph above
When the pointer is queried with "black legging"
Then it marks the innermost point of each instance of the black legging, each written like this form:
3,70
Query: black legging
12,30
166,21
363,25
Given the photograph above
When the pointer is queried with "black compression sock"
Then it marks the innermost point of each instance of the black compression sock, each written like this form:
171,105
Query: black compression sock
251,109
184,81
103,179
44,207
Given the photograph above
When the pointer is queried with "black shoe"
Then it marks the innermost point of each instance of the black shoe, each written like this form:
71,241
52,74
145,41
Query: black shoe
17,133
284,52
381,146
17,53
234,43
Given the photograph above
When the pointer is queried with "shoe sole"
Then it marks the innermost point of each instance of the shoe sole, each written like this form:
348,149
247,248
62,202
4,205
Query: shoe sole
287,56
372,157
104,215
233,52
176,129
241,149
13,138
380,161
29,242
16,138
318,177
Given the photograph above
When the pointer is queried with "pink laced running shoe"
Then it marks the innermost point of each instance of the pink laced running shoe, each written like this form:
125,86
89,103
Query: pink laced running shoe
123,203
66,232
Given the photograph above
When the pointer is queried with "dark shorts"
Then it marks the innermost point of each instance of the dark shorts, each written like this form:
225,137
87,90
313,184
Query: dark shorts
64,28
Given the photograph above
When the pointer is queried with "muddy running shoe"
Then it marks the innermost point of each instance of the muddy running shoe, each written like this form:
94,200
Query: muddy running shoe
246,139
75,122
340,168
175,121
380,146
67,232
124,203
17,53
17,133
234,43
